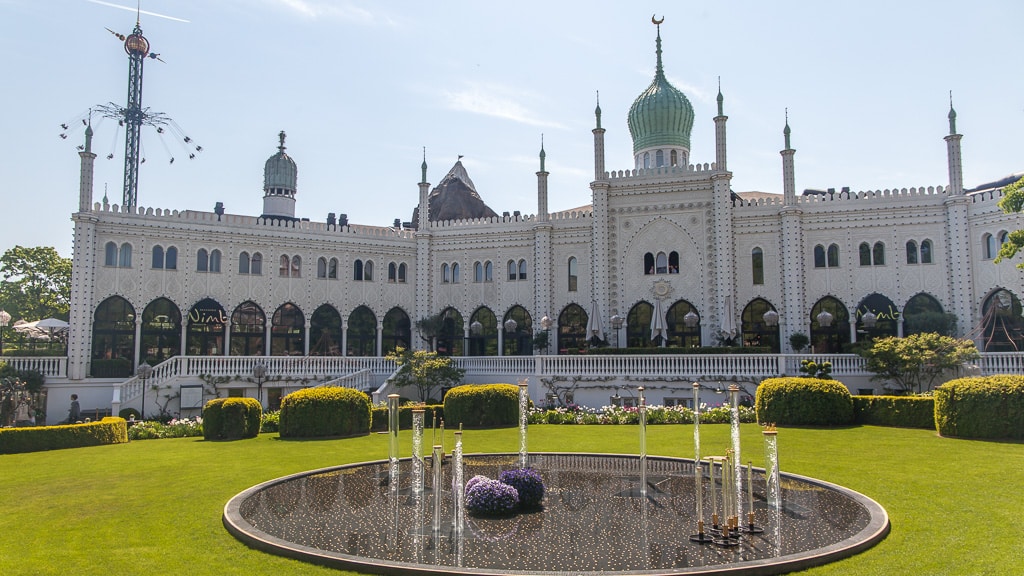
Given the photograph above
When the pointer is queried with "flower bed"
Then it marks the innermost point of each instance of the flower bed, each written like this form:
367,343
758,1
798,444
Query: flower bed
619,415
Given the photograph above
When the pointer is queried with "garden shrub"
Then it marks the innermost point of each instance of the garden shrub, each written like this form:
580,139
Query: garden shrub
482,405
528,485
380,416
983,407
898,411
271,422
231,418
37,438
175,428
324,411
803,401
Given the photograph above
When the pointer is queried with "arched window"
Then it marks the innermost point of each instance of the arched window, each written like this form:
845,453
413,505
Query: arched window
757,265
248,330
368,271
445,276
522,269
819,256
401,273
833,255
332,269
478,272
362,333
675,158
483,333
572,328
923,313
926,252
638,326
878,254
288,331
171,258
832,338
887,317
296,266
161,331
206,325
113,339
865,254
455,273
451,335
1004,236
673,262
202,260
215,261
243,263
357,269
158,257
679,334
572,274
659,158
392,272
511,270
321,267
488,271
647,160
648,263
1002,327
661,263
257,264
396,331
990,247
518,342
285,264
911,252
757,332
124,256
325,332
110,254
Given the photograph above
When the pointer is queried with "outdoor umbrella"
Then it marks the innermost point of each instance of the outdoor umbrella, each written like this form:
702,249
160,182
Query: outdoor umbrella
657,320
594,323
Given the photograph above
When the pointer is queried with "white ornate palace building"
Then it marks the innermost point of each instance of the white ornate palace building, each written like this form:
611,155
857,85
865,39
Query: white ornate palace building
666,254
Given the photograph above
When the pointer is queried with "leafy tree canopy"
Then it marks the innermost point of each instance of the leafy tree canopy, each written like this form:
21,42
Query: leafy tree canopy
1012,203
915,362
424,370
36,283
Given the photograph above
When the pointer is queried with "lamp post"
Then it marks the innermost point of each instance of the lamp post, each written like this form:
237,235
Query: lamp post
4,319
259,372
616,325
144,371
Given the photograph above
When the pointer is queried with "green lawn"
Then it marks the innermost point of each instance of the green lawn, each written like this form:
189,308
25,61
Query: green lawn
154,506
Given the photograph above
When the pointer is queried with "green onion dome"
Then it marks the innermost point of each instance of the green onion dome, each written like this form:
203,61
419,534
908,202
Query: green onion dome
662,116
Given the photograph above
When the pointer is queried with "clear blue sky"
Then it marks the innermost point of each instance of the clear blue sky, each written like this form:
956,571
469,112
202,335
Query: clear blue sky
362,87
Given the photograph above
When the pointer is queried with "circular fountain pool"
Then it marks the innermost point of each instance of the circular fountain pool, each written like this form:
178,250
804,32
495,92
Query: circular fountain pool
593,521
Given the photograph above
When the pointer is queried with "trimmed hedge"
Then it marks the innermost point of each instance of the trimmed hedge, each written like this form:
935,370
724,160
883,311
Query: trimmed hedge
482,405
232,418
803,401
324,411
897,411
37,438
985,407
379,421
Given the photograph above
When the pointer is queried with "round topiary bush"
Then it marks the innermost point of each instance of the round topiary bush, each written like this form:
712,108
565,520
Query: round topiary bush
528,485
985,407
803,401
488,497
482,405
231,418
324,411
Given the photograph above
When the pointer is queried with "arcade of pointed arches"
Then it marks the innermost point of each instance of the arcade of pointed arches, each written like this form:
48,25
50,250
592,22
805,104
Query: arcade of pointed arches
208,330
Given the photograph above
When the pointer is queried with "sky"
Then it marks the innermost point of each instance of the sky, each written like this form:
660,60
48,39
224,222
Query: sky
362,88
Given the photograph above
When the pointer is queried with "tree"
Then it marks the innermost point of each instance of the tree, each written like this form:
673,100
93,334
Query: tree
799,341
915,362
36,283
1012,203
430,328
424,370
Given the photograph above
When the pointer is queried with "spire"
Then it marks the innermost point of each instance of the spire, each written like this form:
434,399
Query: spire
423,167
720,99
542,154
281,136
597,111
952,115
88,136
786,130
659,71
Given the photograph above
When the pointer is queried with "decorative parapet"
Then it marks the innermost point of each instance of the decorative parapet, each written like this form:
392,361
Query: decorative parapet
692,169
847,196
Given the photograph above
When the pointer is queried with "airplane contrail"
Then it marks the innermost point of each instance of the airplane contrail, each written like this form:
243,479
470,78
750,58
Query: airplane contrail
130,9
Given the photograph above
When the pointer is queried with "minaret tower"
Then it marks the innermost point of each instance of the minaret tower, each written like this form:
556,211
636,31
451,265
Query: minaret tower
424,294
961,285
598,143
85,179
542,244
791,247
720,161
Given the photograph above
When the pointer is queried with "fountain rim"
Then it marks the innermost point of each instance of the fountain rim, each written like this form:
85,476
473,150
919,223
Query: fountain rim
874,532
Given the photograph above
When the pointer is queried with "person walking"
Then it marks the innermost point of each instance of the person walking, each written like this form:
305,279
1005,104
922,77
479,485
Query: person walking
75,412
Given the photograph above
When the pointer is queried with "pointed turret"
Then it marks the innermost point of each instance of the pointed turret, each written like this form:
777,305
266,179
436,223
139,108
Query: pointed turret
720,148
788,176
598,143
953,158
542,186
85,178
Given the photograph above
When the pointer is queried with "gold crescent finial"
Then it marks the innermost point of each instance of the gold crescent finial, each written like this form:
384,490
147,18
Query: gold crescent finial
655,21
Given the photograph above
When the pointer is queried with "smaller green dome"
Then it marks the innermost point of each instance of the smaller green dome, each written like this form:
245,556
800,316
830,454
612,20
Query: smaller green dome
662,115
280,170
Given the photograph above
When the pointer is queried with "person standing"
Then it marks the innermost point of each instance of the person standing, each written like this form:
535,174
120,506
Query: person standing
75,412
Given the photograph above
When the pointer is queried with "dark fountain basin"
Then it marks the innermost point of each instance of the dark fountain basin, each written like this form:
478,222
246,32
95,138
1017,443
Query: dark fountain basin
593,521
